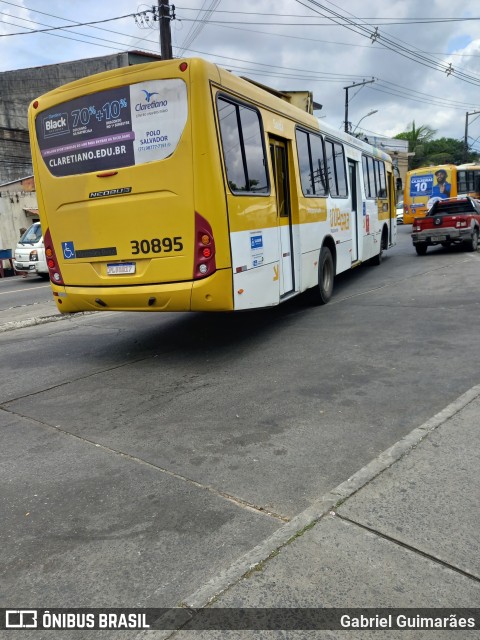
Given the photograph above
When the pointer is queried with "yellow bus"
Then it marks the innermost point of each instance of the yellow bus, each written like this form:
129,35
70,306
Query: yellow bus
176,186
426,185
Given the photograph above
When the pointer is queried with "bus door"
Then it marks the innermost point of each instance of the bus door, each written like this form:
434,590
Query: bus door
354,204
391,207
278,151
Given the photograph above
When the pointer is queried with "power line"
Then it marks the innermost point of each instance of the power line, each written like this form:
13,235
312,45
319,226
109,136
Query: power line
88,36
406,21
198,24
398,91
92,25
51,15
330,77
343,44
296,24
388,43
277,71
430,100
66,26
96,44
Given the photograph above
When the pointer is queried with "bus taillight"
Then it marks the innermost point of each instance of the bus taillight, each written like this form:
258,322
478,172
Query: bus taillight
52,262
204,248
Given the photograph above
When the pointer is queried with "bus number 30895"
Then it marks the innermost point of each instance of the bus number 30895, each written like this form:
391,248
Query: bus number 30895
157,245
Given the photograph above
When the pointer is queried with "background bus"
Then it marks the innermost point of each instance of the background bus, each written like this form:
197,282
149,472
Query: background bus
423,186
176,186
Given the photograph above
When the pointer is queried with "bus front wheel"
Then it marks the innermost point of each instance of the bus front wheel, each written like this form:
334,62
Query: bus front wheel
377,260
326,275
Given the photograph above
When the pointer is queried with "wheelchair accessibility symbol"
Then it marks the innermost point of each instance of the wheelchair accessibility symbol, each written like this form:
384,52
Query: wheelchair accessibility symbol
68,250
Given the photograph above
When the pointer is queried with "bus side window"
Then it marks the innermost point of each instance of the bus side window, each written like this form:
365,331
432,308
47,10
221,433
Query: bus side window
382,192
243,149
311,161
341,172
468,182
371,175
332,179
231,144
477,181
255,160
365,177
304,163
318,164
337,176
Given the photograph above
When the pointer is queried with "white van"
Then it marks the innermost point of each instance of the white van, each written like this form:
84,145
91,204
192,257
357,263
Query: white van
30,252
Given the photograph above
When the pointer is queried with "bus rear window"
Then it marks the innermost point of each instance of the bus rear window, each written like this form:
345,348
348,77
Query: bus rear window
115,128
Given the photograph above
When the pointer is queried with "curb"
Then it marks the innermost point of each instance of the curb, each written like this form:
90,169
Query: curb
286,534
29,322
32,322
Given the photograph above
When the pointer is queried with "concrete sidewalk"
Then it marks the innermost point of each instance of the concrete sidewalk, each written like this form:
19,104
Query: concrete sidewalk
404,532
29,316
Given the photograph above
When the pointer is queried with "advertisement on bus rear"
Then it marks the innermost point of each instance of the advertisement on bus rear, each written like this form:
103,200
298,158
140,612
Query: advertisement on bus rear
434,184
114,128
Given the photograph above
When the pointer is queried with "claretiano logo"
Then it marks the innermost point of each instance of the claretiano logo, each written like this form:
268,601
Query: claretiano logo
149,103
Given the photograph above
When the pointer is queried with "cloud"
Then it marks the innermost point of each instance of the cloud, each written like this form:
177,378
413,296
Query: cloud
301,50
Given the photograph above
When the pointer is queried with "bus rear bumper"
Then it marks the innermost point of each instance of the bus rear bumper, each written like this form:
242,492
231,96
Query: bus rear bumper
210,294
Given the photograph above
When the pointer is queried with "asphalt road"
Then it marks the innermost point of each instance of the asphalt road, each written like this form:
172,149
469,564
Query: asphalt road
141,454
17,292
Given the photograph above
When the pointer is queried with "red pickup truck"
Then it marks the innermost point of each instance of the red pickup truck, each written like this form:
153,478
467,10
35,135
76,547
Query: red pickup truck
449,221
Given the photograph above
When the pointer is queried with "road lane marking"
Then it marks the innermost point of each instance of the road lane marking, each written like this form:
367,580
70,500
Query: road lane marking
42,286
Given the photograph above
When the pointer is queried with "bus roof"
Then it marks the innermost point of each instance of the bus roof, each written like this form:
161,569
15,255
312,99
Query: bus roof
472,166
90,84
430,169
266,98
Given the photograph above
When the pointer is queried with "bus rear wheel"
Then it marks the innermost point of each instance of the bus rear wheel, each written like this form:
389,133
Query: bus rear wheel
377,260
326,275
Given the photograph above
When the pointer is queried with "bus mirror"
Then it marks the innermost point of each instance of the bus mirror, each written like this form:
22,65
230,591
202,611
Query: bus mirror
399,184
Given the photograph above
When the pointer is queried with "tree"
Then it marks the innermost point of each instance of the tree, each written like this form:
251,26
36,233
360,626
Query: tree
447,151
417,138
429,151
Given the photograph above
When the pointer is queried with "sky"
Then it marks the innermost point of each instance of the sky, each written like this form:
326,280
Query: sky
424,58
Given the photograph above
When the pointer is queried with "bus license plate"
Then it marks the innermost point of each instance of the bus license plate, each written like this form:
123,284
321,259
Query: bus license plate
439,238
120,268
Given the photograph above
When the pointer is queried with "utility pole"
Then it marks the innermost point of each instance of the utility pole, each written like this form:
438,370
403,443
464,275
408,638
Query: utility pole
357,84
164,18
465,141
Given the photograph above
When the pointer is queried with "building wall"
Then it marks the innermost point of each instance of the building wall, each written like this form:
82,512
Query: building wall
13,216
24,184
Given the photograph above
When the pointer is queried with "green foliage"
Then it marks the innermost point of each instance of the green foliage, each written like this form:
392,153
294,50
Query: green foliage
430,151
417,135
